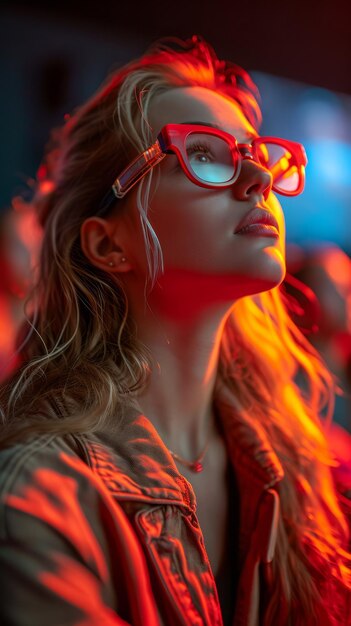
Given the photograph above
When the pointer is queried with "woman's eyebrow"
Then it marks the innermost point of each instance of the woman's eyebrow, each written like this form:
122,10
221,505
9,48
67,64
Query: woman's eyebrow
248,137
204,124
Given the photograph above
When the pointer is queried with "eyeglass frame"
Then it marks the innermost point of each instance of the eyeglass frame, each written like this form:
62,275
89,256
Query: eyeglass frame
171,140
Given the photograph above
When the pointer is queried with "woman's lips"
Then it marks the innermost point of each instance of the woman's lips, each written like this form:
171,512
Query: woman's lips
258,222
261,230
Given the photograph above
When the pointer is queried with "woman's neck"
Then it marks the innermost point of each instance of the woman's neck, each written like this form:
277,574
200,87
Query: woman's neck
178,399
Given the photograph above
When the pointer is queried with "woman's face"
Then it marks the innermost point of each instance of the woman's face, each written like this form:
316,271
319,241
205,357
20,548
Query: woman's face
196,226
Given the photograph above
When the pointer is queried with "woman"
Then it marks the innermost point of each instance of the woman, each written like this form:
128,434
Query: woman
159,464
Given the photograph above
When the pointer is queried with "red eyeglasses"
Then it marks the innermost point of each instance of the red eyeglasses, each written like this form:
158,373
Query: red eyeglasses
212,158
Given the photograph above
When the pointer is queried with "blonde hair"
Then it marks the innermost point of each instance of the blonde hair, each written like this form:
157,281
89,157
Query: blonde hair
78,345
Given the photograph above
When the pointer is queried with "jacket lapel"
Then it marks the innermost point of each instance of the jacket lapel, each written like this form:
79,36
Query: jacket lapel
160,503
140,472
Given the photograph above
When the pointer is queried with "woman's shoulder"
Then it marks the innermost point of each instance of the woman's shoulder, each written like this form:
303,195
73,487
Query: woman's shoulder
54,536
46,487
49,444
41,463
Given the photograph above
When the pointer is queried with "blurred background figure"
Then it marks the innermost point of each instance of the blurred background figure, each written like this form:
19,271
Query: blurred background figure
19,239
318,287
326,269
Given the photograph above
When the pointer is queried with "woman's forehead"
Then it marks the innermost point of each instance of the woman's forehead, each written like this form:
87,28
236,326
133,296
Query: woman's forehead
198,104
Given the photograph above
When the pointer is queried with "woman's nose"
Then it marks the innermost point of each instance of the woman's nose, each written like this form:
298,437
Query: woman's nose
253,180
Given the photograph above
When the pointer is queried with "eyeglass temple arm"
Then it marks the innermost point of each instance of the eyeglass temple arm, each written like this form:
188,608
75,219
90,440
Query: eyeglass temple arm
137,169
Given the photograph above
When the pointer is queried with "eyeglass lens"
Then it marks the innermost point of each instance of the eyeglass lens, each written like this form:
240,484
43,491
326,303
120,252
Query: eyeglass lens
210,158
282,165
212,161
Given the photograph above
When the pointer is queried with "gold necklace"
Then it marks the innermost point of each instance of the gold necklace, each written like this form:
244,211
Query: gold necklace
194,466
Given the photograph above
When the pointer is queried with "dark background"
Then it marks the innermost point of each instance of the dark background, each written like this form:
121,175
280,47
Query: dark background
308,41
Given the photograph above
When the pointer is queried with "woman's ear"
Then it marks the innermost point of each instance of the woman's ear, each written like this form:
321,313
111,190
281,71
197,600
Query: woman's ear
102,245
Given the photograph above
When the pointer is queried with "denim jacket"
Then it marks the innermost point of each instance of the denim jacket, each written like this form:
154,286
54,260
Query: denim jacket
95,533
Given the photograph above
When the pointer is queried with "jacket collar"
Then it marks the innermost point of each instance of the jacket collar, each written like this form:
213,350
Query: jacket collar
138,466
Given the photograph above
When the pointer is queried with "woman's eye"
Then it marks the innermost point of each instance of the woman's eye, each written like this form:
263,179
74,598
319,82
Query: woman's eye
203,158
202,154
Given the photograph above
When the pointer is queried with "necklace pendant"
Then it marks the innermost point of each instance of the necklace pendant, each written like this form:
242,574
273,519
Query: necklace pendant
197,467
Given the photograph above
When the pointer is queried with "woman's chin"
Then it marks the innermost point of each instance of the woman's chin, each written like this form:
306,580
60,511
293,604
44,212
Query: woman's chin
272,269
266,277
268,283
